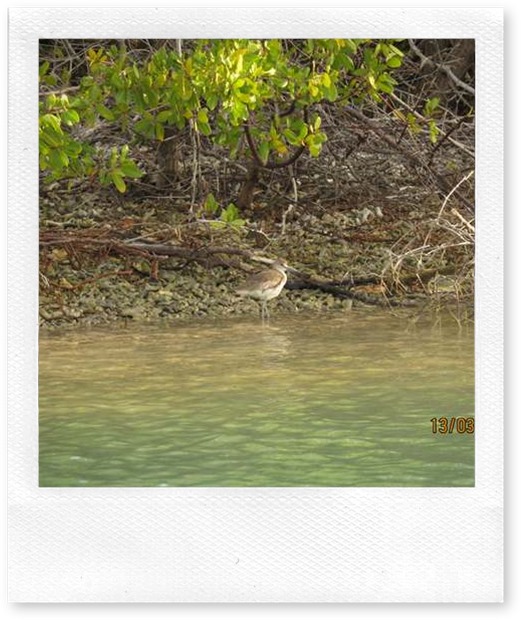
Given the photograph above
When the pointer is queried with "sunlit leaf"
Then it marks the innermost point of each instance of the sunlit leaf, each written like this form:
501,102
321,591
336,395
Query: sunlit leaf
117,179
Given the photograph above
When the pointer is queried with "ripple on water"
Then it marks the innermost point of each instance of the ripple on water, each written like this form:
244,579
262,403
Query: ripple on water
330,401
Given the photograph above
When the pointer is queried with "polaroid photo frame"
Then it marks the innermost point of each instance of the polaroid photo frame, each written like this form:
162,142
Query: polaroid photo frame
252,544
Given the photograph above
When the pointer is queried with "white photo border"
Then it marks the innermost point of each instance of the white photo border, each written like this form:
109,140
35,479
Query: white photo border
252,544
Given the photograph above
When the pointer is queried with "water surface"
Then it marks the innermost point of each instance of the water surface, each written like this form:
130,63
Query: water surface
306,401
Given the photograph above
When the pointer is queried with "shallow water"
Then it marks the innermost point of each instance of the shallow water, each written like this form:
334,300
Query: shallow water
306,401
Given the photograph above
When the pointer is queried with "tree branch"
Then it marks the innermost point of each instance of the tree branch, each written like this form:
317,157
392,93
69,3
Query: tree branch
447,70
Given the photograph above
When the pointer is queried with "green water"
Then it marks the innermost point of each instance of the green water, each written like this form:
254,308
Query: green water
306,401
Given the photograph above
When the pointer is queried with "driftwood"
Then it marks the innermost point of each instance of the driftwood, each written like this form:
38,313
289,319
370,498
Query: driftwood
156,250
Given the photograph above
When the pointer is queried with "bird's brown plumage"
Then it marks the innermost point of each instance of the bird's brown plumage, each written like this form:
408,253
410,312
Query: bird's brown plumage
265,285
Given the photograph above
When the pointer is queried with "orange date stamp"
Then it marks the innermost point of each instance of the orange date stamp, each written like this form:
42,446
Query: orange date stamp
454,425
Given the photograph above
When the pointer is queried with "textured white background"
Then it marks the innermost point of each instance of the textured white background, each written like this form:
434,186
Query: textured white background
252,544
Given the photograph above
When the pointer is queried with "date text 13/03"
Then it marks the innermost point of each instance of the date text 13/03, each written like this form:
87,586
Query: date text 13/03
445,426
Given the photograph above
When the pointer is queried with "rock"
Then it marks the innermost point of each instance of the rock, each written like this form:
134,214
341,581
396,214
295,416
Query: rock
50,315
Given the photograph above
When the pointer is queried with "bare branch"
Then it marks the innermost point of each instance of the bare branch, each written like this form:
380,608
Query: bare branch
444,68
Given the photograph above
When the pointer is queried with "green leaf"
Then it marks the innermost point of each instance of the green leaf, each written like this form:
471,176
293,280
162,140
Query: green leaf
73,148
230,214
396,50
107,114
412,122
130,169
146,127
264,151
117,179
239,112
315,149
70,117
431,105
202,116
186,91
210,204
58,162
314,143
159,131
114,157
204,128
164,116
300,129
50,138
64,158
313,90
351,46
332,93
394,62
291,137
211,101
51,120
44,67
434,132
385,83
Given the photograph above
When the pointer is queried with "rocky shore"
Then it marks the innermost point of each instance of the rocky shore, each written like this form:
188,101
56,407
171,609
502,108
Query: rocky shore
85,284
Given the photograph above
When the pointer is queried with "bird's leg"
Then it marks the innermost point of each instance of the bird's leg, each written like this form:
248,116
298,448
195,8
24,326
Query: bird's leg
266,312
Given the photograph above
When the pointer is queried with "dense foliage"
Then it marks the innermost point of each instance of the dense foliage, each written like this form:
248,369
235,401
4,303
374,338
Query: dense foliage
254,97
